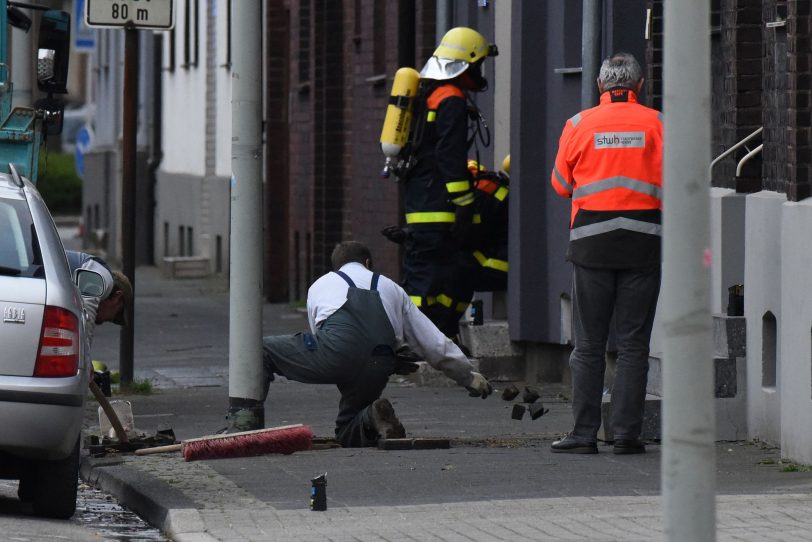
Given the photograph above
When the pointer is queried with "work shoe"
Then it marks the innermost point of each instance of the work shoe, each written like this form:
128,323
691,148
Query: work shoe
629,446
571,445
384,420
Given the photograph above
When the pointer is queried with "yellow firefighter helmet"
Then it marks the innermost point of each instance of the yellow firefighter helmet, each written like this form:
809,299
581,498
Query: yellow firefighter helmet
459,48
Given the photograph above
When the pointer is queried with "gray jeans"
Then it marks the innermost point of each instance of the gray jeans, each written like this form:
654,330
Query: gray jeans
631,295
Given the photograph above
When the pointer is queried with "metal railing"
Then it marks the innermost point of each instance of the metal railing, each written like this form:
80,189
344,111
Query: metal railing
749,155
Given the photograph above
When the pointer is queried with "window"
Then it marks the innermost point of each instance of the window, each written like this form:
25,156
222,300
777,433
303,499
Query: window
171,65
769,349
16,245
191,34
227,64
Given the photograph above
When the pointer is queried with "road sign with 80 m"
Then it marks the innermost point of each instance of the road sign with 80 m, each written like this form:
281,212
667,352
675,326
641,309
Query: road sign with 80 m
153,14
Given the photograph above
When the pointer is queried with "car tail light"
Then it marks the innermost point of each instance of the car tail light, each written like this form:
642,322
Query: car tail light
58,344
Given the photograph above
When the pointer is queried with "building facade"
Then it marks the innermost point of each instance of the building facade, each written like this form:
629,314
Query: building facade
328,68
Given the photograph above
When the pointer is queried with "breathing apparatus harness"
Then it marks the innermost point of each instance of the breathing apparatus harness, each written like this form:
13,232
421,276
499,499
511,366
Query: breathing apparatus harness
406,159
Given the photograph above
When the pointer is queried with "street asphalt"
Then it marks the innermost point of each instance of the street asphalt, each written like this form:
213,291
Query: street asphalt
498,481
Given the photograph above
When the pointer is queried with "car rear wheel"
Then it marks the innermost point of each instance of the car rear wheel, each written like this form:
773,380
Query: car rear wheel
52,486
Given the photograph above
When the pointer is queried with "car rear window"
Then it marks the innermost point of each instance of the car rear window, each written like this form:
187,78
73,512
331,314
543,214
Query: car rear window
18,254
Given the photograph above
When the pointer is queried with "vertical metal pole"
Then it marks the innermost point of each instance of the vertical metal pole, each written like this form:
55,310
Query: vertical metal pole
406,33
443,23
5,98
129,133
591,25
688,465
245,385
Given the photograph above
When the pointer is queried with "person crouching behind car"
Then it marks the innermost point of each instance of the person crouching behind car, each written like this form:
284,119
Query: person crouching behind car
113,304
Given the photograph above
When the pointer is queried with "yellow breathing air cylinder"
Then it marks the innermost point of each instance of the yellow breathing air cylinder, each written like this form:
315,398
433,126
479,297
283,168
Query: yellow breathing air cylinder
398,120
506,164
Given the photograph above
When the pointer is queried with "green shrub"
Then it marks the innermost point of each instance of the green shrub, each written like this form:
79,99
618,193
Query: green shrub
60,186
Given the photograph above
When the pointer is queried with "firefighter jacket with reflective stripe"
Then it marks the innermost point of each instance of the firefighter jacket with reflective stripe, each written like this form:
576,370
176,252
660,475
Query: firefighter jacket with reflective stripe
440,182
609,163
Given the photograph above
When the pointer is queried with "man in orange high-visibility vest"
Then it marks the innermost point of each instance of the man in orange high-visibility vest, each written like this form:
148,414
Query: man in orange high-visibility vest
609,163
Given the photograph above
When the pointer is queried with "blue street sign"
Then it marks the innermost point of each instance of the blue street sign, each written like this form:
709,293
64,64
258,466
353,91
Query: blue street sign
84,142
84,37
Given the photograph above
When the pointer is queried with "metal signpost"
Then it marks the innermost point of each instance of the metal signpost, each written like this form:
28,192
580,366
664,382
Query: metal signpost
129,15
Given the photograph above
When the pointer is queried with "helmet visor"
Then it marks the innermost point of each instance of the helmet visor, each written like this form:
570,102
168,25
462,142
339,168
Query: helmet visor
443,68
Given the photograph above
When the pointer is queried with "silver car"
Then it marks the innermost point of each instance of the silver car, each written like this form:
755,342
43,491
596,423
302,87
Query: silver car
44,359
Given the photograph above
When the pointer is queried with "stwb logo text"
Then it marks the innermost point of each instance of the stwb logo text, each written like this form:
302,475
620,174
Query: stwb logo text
620,140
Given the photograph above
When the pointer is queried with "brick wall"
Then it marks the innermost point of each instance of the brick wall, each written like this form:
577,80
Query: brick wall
799,129
300,169
761,77
328,132
277,191
337,101
775,117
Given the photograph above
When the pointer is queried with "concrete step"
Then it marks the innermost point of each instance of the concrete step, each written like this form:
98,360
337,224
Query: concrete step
651,419
498,357
189,267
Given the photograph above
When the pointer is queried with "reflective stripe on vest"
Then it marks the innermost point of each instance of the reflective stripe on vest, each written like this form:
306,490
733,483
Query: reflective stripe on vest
628,183
458,186
428,218
437,96
447,302
620,223
442,299
502,193
492,263
462,201
567,187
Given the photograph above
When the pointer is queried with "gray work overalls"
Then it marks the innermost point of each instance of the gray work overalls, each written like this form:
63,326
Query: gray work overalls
353,348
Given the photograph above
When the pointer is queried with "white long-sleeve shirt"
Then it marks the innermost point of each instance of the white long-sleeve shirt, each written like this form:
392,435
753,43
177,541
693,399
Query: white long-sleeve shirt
411,326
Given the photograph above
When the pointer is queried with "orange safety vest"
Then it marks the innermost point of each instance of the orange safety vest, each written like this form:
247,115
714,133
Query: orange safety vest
609,163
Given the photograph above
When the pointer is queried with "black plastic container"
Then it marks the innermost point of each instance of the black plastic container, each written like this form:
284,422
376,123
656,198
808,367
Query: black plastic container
318,493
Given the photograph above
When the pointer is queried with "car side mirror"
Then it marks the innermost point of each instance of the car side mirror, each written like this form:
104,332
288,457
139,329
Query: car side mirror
53,48
90,283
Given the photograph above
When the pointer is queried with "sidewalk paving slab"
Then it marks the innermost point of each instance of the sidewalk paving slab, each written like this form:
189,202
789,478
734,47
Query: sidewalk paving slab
499,481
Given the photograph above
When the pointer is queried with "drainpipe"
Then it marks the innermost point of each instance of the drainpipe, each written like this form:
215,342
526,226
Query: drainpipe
444,8
688,464
406,33
591,25
157,154
245,384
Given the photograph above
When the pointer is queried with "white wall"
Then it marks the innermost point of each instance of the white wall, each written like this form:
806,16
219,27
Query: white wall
727,244
762,293
184,101
796,332
223,92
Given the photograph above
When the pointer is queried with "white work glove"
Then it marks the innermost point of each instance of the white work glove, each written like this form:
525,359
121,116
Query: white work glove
479,386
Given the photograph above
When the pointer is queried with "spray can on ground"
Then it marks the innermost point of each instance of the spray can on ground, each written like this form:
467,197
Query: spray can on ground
318,493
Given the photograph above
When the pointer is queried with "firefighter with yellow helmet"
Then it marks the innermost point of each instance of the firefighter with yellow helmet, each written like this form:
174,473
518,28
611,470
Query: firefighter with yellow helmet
439,196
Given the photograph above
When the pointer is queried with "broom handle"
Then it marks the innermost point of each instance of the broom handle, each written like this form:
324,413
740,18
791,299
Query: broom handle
159,449
108,409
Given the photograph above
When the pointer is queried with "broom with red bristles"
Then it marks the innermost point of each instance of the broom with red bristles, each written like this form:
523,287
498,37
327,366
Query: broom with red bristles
274,440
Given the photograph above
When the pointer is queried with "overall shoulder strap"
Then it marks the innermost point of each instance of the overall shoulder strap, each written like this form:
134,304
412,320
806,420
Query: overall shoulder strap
344,276
374,285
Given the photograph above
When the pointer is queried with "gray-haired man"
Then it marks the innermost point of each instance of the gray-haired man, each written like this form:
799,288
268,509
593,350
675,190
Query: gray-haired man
609,164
